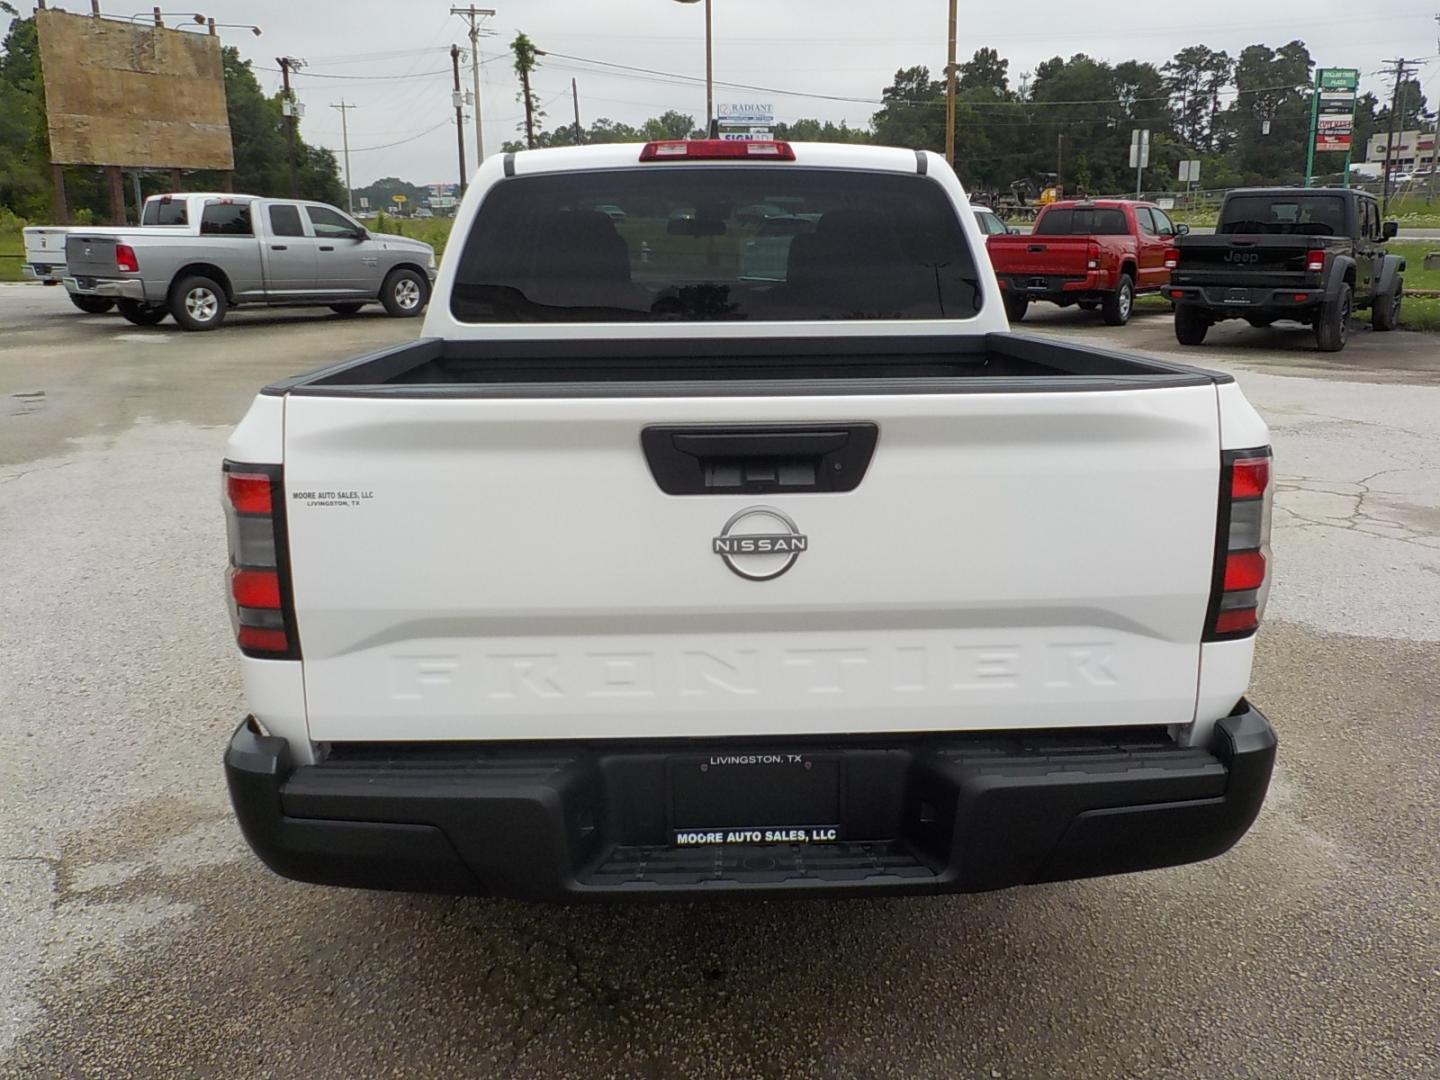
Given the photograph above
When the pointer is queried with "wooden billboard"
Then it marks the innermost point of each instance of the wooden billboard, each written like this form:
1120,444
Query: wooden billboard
133,96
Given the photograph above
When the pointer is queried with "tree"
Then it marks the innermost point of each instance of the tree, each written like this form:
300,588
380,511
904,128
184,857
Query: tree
525,63
1196,76
1273,85
24,144
912,112
668,125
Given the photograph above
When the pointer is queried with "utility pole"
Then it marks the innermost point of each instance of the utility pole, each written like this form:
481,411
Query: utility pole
1395,104
459,114
288,64
345,139
575,97
473,15
1059,162
950,91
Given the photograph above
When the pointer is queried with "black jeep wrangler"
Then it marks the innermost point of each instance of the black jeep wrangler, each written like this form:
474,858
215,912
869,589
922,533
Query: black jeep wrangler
1314,255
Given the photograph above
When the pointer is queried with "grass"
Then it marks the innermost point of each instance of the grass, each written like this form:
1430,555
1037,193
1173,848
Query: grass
1420,314
11,244
1416,276
433,231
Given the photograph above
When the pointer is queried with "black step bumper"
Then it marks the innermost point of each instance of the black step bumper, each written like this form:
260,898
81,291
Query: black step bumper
920,815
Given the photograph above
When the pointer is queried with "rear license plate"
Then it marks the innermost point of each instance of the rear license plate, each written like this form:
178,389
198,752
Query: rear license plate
756,797
1038,285
1237,296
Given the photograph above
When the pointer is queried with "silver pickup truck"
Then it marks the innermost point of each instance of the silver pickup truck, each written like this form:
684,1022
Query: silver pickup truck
246,250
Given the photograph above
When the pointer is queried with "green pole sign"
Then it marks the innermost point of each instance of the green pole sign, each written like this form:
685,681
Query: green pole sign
1332,117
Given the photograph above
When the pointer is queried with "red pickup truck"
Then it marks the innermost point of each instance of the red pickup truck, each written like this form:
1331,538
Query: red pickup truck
1095,253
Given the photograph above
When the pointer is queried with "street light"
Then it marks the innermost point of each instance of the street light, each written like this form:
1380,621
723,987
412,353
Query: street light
709,67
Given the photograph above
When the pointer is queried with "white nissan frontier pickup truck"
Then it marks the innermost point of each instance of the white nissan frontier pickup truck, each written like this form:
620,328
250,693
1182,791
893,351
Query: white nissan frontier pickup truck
718,537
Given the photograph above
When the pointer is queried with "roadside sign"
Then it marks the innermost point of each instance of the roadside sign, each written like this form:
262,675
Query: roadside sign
744,114
1139,148
1190,171
398,199
1334,109
364,203
1339,79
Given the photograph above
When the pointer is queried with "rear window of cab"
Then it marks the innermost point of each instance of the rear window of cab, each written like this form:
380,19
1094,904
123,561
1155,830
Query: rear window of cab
703,243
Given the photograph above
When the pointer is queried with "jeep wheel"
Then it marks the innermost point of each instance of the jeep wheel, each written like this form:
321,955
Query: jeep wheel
1332,322
1191,325
141,314
92,305
1015,307
1385,315
1116,307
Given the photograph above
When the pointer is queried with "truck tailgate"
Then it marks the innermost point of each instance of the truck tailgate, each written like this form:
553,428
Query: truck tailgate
491,568
90,255
1041,256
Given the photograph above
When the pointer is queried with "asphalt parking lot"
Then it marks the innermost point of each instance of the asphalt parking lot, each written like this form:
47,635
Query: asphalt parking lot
139,938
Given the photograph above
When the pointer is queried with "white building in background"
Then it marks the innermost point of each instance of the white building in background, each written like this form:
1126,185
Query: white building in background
1409,149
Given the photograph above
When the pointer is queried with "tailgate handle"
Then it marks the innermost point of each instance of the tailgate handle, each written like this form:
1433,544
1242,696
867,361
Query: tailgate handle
758,458
1036,247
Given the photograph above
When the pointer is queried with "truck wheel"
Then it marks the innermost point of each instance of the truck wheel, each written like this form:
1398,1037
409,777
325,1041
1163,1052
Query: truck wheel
1385,315
405,294
198,303
92,305
1015,307
1332,322
141,314
1116,307
1191,325
345,309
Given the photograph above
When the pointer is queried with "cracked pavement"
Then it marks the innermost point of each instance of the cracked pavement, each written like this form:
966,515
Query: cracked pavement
139,938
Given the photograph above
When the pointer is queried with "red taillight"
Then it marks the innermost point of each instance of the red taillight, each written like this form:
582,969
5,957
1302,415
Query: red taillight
258,580
253,640
717,149
1249,477
1092,256
249,492
1242,546
1301,297
255,588
125,260
1172,258
1314,261
1176,294
1244,570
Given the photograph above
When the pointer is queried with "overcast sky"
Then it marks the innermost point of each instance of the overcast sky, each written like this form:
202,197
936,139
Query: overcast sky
395,55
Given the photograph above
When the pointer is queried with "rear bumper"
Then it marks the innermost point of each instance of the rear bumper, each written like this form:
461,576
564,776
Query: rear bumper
1225,302
1057,288
574,822
115,288
50,273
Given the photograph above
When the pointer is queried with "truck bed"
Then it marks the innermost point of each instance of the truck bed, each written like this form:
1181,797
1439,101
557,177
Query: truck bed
898,364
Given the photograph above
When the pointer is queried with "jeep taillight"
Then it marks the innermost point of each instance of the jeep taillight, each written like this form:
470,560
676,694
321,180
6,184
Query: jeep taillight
1172,258
262,611
1314,262
125,260
1242,547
